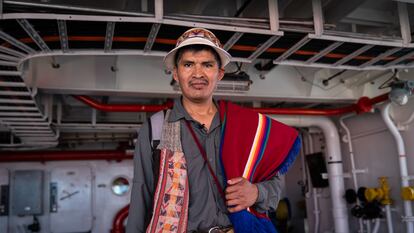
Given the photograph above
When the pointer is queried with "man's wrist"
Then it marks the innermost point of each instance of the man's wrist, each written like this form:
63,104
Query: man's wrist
260,194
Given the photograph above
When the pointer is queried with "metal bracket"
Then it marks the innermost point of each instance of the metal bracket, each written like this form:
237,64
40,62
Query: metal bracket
109,36
151,37
24,23
63,35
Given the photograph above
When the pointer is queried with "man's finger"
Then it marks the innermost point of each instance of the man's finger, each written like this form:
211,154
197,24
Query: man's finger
232,196
234,209
235,180
233,203
232,189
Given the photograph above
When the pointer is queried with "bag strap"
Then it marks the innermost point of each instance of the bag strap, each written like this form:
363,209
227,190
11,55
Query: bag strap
204,155
155,124
156,121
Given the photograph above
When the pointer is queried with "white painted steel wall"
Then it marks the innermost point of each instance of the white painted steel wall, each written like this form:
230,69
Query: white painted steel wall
91,210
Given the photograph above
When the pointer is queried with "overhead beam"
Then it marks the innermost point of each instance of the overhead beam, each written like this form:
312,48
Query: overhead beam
323,52
317,17
263,47
233,39
9,58
400,59
63,35
13,41
12,84
159,9
352,55
10,73
155,28
292,49
380,57
7,63
273,15
404,22
109,36
11,51
29,29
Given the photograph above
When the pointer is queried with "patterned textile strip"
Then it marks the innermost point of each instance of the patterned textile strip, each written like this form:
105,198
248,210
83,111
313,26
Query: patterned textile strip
172,193
158,191
258,146
171,203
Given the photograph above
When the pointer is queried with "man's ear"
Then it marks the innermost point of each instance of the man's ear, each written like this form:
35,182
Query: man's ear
221,74
175,75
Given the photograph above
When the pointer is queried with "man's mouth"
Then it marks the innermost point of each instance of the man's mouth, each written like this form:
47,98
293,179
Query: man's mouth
199,84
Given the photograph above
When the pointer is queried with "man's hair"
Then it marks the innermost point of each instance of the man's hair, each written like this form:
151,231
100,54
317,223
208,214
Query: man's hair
196,48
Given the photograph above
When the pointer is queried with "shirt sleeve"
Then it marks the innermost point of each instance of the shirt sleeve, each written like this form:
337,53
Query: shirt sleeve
269,195
143,184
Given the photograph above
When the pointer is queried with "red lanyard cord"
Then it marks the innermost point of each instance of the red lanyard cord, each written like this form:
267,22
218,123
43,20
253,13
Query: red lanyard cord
204,154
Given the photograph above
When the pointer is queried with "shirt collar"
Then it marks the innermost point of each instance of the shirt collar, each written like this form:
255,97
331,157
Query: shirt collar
178,112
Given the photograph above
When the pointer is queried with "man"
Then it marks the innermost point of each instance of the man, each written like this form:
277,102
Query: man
197,63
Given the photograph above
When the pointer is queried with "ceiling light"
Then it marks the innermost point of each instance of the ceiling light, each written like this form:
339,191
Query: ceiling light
400,91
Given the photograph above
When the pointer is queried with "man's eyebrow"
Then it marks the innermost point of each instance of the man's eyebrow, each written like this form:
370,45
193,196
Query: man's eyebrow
209,61
187,61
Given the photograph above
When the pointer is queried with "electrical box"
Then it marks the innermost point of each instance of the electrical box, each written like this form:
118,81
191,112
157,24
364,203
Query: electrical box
27,192
317,167
71,199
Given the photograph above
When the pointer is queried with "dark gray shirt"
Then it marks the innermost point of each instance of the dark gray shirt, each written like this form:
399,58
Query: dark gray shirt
206,206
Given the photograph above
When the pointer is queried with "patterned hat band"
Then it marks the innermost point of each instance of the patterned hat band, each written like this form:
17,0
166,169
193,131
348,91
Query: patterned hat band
199,33
197,36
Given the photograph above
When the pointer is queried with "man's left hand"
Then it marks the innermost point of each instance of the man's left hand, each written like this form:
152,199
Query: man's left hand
240,194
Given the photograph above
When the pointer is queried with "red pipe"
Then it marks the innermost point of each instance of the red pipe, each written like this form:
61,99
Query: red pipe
364,104
121,107
118,224
43,156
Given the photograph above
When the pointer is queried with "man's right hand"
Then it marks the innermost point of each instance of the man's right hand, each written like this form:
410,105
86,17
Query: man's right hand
240,194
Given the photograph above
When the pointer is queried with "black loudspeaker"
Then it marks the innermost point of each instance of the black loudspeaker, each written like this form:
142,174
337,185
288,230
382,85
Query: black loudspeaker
317,166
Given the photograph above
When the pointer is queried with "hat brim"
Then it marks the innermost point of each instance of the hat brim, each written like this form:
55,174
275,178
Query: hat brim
169,62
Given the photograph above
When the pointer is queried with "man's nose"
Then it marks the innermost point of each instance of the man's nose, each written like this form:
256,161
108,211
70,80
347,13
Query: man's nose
198,71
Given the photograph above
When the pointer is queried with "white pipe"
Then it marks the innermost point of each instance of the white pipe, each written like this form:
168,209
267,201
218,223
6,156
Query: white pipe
334,160
385,111
377,225
389,218
368,224
352,158
316,211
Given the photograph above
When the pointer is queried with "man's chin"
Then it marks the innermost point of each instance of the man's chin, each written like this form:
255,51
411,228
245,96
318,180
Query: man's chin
199,99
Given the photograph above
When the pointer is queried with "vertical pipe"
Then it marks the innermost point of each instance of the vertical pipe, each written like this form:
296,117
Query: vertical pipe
389,219
335,168
376,226
385,112
352,158
316,211
368,222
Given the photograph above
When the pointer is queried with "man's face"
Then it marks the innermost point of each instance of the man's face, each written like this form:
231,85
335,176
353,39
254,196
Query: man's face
197,73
